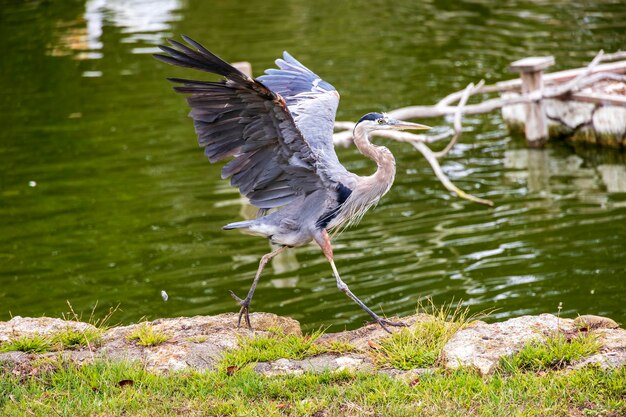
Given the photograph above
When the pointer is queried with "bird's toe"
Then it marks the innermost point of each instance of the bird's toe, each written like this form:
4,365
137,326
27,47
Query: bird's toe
239,300
384,323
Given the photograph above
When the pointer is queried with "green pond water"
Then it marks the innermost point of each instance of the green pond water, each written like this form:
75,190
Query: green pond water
105,197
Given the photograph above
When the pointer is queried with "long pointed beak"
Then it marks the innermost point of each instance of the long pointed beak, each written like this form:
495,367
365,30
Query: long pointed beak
403,125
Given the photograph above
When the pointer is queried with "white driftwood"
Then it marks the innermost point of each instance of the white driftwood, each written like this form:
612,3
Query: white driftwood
434,163
458,127
558,85
419,143
531,73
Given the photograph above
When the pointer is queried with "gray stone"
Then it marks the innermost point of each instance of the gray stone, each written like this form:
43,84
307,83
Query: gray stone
361,338
19,327
316,364
481,345
200,342
411,376
612,349
591,322
595,123
572,114
610,120
194,342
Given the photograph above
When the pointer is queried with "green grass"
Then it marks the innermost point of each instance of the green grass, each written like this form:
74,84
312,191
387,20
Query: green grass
146,335
75,339
104,388
420,345
274,346
554,353
64,339
32,344
415,347
277,345
67,338
110,389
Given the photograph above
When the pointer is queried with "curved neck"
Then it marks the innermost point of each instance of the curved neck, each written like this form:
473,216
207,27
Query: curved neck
382,156
366,191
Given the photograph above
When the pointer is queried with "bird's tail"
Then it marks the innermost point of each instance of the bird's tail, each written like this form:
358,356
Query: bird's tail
238,225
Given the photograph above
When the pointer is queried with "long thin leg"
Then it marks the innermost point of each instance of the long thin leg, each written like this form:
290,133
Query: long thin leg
324,242
245,303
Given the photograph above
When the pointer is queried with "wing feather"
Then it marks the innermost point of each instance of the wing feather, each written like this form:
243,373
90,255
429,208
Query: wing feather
241,118
313,104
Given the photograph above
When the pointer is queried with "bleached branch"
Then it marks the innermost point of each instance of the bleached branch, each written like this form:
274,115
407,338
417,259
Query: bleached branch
571,84
445,181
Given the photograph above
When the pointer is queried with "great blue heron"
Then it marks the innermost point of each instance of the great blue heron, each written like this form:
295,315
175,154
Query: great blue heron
278,129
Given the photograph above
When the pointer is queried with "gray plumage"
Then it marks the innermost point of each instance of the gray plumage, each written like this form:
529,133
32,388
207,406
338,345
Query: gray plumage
278,131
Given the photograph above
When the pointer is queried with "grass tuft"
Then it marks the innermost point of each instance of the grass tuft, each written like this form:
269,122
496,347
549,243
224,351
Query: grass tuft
146,335
35,344
276,345
65,339
555,352
420,345
75,339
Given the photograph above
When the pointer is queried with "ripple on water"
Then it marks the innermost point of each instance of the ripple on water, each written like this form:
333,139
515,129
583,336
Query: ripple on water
125,205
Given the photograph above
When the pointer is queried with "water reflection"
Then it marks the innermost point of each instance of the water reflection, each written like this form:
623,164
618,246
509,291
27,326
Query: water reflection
613,177
545,174
126,206
143,22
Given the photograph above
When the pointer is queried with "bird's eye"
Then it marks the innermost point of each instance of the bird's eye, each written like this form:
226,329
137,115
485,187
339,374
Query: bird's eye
380,121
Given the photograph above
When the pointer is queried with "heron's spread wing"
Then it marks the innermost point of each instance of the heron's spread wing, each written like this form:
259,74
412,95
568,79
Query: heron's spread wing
242,118
311,101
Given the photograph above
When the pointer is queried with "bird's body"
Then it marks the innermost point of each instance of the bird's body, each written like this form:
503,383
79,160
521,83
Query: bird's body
278,129
303,219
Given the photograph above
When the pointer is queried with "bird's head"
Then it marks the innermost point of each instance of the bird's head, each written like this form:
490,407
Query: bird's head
379,121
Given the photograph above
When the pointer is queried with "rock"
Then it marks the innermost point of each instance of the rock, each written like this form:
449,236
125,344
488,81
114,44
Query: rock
612,351
482,345
361,338
316,364
571,114
612,339
19,327
514,115
200,342
194,342
601,124
591,322
610,120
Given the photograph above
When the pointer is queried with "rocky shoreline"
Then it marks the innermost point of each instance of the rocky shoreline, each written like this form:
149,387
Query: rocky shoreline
198,343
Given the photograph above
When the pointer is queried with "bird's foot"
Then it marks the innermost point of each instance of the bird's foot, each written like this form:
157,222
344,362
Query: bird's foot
384,323
244,311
